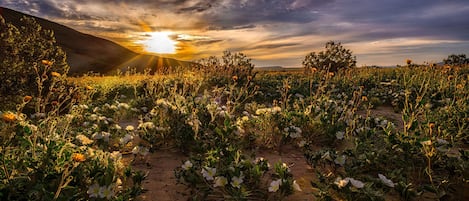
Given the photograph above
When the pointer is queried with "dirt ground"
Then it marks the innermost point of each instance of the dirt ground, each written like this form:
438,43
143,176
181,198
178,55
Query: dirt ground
161,183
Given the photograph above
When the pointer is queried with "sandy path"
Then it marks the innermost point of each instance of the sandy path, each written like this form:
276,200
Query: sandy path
161,182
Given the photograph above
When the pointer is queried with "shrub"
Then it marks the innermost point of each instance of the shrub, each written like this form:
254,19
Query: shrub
334,58
236,66
30,60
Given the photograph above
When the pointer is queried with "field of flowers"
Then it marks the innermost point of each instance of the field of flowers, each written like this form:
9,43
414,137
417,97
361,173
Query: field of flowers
74,140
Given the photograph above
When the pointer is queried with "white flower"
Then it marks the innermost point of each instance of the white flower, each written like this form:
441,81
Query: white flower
187,165
341,182
83,139
93,191
116,155
340,135
356,183
146,125
209,173
340,160
126,139
296,186
302,143
106,136
386,181
441,141
236,181
140,150
106,192
123,106
220,181
97,136
135,150
326,156
129,128
275,185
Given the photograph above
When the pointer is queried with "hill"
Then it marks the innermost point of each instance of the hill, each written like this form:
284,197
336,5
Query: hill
90,53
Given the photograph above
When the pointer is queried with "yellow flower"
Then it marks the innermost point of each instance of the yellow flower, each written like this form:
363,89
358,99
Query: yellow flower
408,61
77,157
235,78
55,74
459,86
27,99
9,117
364,98
89,87
331,74
46,62
313,70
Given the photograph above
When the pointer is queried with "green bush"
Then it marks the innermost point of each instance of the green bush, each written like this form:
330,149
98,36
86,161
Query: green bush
30,60
334,58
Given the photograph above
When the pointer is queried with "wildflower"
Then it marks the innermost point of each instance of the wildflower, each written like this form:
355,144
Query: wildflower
129,128
47,62
356,183
220,181
187,165
459,86
27,99
302,143
126,139
123,106
426,143
331,74
235,78
208,173
93,191
275,185
386,181
340,160
97,136
77,157
296,186
9,117
83,140
364,98
89,88
313,70
116,155
146,125
341,182
55,74
327,156
140,150
442,141
106,192
340,135
237,181
431,125
408,61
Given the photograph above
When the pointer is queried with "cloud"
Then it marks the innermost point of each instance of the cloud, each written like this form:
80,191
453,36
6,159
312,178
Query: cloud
285,29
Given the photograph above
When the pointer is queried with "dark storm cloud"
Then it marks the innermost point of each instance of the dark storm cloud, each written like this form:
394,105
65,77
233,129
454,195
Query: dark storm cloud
390,18
266,26
254,12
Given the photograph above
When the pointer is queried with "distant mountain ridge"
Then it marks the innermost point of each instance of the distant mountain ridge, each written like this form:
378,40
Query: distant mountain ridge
90,53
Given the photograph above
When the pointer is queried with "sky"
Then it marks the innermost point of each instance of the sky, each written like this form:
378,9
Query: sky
272,32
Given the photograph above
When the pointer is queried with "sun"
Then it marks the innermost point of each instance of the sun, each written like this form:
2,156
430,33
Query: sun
159,42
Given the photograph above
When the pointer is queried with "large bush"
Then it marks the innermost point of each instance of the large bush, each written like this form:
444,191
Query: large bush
334,58
456,60
231,65
28,57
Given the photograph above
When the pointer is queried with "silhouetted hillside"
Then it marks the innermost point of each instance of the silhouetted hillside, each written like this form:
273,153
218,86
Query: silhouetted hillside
90,53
